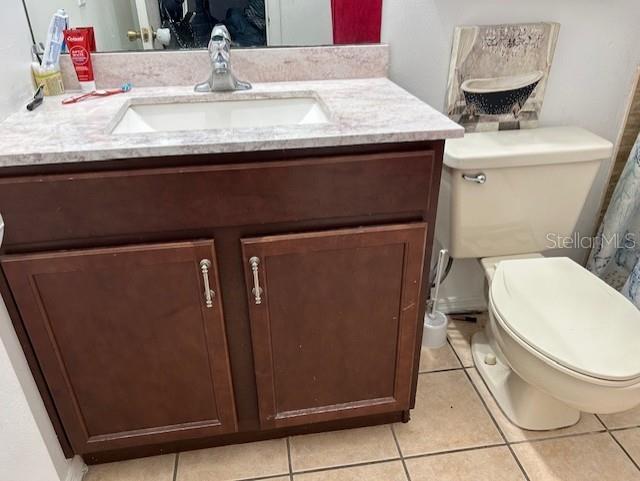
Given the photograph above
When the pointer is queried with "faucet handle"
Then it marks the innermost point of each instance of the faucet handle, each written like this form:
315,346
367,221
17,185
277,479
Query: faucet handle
220,47
220,32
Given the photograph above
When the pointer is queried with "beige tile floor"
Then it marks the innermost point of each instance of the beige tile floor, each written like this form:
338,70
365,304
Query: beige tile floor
456,433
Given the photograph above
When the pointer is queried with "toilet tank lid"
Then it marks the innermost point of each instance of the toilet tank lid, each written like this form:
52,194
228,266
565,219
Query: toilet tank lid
512,148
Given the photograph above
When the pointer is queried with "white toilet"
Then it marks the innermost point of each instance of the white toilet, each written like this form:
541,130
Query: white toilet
559,340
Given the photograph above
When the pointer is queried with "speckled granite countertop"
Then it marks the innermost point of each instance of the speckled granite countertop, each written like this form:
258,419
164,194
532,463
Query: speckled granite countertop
362,111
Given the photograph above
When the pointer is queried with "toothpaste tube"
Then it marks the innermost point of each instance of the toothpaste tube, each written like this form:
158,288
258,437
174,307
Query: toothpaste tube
80,42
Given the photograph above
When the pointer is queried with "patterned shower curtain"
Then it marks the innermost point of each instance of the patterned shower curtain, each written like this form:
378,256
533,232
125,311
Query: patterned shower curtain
615,256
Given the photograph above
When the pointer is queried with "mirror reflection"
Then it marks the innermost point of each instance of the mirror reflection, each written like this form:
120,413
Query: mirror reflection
122,25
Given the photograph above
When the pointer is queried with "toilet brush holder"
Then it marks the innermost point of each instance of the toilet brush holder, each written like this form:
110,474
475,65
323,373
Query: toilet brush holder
434,335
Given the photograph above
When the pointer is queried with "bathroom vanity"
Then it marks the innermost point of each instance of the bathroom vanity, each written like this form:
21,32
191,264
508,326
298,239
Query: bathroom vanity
179,289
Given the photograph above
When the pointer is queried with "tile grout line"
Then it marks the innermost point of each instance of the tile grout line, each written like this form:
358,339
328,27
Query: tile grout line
623,449
342,466
259,478
504,437
404,464
615,430
495,423
601,421
175,467
561,436
454,451
289,458
262,478
449,369
615,440
484,404
382,461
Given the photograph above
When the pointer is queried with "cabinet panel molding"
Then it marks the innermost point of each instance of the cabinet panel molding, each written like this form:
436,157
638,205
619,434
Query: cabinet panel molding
334,319
130,350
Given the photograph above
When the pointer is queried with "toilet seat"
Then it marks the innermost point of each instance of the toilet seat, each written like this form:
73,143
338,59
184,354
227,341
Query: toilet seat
569,316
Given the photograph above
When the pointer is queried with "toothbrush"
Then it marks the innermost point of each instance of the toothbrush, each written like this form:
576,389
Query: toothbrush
98,93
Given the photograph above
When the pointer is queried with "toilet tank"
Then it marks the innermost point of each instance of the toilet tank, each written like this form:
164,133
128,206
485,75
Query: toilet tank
515,192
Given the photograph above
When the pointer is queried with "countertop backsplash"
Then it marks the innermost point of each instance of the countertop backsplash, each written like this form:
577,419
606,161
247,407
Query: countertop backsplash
188,67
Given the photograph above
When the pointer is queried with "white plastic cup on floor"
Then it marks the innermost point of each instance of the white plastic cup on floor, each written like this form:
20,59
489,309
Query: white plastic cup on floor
434,335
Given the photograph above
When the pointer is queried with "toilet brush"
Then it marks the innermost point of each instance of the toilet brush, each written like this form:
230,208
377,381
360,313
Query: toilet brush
435,322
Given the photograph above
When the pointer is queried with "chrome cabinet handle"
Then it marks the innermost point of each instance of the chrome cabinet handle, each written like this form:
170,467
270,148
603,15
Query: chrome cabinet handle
478,178
209,294
257,290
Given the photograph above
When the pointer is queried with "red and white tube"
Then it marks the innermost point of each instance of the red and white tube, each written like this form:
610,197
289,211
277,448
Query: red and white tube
80,43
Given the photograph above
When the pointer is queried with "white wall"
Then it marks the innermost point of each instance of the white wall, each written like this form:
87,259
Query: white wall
29,449
597,53
15,58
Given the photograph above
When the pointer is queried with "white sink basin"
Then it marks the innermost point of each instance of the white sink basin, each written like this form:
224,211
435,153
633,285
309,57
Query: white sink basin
221,114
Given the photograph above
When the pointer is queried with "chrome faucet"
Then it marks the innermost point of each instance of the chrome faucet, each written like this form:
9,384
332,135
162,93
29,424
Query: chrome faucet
222,78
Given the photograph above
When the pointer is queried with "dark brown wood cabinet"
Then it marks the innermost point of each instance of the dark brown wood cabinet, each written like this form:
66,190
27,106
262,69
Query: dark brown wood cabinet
130,350
333,321
186,302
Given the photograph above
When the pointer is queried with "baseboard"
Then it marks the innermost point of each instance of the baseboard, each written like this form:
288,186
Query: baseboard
461,304
77,469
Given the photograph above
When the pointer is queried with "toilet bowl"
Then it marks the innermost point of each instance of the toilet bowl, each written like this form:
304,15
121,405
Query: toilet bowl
559,341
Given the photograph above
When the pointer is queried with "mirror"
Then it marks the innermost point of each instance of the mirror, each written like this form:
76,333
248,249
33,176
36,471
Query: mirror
125,25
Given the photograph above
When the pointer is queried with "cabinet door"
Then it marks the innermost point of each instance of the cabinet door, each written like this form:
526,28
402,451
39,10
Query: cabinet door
130,348
334,318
